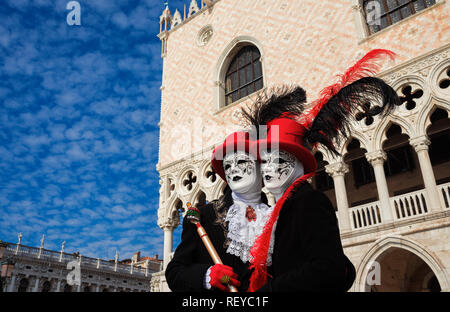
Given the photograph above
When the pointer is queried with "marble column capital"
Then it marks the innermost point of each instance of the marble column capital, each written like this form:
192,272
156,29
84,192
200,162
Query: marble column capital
376,157
168,224
420,143
337,169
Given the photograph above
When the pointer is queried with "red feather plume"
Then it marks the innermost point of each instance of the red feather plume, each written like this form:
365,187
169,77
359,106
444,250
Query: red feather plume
368,65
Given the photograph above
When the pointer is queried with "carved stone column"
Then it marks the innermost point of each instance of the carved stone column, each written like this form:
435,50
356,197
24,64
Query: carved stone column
420,145
11,287
58,286
36,285
377,159
337,171
168,242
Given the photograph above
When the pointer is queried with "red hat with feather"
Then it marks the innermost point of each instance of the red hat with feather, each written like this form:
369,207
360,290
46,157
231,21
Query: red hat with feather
327,122
239,140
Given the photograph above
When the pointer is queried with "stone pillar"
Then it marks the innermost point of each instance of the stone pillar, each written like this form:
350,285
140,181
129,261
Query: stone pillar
97,289
168,243
376,159
58,286
337,171
420,145
12,284
36,285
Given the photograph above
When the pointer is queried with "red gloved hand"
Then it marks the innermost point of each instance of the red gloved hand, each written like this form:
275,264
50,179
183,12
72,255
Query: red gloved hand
221,275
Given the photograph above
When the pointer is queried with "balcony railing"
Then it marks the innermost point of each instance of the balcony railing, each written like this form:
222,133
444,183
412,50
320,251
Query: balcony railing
403,206
444,191
409,204
15,250
367,215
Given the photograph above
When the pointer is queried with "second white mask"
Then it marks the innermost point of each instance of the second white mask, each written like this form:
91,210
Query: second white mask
279,170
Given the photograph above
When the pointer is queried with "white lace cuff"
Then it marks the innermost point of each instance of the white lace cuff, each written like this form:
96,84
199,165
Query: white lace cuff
207,279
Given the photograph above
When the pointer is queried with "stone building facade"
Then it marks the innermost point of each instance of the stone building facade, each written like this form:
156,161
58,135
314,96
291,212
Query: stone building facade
31,269
390,187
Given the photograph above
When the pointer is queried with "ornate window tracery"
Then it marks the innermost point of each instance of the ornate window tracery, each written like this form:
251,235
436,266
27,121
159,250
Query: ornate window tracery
244,75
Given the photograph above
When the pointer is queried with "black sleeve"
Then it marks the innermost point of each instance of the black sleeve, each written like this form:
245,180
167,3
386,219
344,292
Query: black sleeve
182,272
324,268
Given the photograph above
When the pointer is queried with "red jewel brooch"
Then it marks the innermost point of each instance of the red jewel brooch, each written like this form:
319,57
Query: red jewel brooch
250,214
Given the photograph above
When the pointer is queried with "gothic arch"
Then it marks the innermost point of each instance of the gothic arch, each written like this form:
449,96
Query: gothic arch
171,210
327,156
396,241
423,119
433,80
224,61
380,131
199,197
365,143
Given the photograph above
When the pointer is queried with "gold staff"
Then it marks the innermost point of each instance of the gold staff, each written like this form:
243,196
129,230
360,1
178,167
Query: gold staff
193,215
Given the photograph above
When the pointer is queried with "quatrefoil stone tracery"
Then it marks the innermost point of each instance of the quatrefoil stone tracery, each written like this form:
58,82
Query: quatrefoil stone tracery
189,181
409,97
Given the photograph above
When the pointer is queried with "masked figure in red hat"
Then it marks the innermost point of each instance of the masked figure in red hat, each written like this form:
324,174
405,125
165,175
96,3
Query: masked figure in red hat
302,235
233,222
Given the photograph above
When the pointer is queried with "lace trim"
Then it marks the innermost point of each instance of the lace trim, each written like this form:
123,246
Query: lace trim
243,233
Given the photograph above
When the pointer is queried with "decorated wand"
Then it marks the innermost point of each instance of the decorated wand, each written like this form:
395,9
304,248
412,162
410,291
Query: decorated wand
193,215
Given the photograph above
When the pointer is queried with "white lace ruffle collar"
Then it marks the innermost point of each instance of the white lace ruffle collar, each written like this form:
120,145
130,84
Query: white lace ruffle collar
241,232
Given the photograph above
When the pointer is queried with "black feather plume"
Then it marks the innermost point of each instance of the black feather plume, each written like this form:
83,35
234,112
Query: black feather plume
287,101
332,122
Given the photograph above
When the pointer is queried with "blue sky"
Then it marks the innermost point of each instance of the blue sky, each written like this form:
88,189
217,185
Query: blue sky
79,107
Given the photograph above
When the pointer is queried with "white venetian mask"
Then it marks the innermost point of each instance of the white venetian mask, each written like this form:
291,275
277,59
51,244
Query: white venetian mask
242,172
279,170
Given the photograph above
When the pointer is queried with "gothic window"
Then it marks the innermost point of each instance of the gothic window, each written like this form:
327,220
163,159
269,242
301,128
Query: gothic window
391,11
323,181
398,160
23,285
200,200
244,75
398,151
439,134
362,171
46,286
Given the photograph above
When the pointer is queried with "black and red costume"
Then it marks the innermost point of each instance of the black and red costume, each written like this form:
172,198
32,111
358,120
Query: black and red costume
307,252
